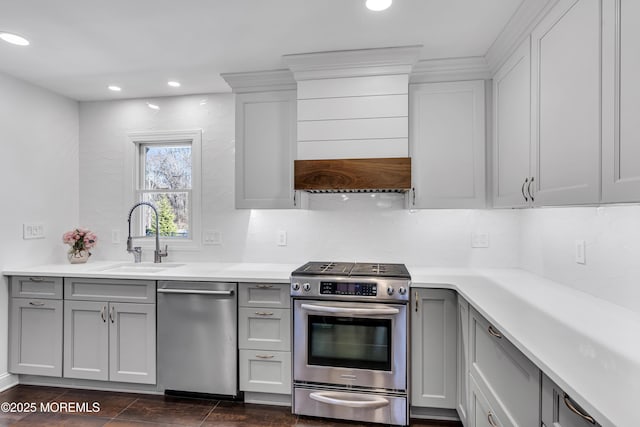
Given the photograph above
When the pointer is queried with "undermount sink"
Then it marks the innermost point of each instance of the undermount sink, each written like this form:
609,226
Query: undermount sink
139,267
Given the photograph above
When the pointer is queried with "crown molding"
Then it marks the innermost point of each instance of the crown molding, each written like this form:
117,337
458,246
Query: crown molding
353,63
519,27
450,69
260,81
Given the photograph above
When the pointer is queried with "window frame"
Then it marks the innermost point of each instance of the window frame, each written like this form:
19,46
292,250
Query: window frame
187,137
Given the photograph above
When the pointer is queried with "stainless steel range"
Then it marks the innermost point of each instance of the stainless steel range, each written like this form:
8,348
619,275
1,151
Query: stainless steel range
350,346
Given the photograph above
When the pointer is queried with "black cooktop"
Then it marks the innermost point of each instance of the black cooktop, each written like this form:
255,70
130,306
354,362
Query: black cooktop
350,269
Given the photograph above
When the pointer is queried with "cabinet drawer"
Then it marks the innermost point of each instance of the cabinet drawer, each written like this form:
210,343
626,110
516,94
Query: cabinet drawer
560,410
499,368
274,295
482,414
264,328
265,371
119,290
36,287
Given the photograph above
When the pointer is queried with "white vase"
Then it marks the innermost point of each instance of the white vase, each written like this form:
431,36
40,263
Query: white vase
78,257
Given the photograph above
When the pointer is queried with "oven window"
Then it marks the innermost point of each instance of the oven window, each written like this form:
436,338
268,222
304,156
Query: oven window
349,342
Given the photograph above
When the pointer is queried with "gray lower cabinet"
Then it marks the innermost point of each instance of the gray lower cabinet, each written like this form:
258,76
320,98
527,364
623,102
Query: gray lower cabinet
110,340
433,348
481,411
462,355
560,410
503,374
35,326
264,338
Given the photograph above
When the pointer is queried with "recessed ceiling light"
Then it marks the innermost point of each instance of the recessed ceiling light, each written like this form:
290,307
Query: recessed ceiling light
153,106
115,88
14,39
174,83
378,5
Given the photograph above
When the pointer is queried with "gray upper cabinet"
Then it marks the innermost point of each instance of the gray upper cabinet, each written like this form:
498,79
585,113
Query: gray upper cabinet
433,348
35,327
265,150
512,131
447,144
620,109
566,102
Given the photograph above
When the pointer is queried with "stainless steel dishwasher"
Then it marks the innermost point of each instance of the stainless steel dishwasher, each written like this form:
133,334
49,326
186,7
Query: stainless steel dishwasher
197,337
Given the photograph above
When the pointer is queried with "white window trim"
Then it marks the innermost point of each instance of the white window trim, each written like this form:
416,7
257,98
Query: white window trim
193,136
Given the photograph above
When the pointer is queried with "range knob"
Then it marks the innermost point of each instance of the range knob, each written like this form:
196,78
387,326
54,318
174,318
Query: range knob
295,286
390,290
402,290
306,287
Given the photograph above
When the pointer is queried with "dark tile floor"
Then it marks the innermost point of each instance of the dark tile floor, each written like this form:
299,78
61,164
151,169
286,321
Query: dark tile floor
27,406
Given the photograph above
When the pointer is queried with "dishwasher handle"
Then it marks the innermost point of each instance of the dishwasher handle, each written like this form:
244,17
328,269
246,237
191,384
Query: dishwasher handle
195,292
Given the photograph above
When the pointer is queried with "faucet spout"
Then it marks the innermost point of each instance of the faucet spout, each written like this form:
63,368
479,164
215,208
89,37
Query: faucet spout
137,251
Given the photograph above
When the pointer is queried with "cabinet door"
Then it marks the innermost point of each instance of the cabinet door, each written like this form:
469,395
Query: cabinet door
566,97
86,340
35,337
447,144
132,343
512,130
462,391
265,149
433,348
620,109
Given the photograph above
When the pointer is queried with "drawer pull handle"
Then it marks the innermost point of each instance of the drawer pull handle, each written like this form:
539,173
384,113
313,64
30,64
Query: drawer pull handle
264,286
416,295
36,303
264,313
567,401
36,279
264,356
495,333
490,419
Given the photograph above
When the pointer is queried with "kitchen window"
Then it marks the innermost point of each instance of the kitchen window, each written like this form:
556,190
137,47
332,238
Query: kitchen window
167,175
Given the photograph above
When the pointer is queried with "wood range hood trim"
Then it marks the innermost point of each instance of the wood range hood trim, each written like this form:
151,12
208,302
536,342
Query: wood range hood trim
372,175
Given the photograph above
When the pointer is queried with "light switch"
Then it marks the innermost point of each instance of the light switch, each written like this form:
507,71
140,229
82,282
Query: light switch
480,240
212,237
580,252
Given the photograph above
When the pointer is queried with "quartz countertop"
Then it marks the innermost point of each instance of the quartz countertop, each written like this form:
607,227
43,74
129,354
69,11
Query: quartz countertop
588,346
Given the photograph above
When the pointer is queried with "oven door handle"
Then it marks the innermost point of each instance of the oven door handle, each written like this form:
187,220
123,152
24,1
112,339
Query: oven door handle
349,310
334,398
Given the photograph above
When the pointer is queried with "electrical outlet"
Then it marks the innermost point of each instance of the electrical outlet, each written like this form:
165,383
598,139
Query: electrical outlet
33,231
282,238
480,240
580,252
115,236
212,237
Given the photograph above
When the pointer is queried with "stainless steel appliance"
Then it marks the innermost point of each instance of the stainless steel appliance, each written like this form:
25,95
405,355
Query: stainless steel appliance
197,337
350,345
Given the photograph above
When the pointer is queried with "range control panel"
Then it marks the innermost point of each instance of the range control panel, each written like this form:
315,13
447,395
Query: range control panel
349,288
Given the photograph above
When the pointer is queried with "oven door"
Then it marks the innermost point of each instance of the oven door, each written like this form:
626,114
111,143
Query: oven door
350,343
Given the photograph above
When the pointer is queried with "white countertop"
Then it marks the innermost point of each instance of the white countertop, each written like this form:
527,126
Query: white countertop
588,346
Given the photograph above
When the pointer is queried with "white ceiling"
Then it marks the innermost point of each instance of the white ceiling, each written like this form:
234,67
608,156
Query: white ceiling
79,47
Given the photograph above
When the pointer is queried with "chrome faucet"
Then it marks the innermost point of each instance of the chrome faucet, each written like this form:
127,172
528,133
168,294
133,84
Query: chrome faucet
137,251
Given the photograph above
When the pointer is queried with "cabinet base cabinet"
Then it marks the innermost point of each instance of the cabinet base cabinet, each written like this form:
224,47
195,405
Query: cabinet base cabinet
560,410
481,413
35,337
265,371
110,341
